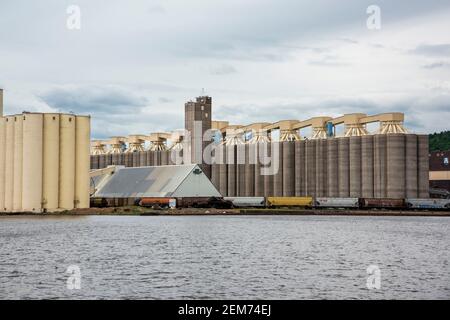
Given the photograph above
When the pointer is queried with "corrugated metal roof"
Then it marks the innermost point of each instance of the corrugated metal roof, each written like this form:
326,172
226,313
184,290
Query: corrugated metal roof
160,181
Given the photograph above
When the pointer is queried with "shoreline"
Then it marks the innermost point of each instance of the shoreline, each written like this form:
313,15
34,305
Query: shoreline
141,211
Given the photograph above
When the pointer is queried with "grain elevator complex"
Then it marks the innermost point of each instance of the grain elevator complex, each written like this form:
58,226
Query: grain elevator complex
274,160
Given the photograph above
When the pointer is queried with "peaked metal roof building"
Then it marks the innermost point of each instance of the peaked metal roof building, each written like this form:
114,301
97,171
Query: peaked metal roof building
160,181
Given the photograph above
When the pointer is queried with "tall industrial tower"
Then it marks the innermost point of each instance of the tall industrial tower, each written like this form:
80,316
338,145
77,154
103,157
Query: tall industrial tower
1,102
197,120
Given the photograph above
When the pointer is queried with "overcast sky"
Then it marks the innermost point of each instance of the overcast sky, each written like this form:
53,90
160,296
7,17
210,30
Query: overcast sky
133,64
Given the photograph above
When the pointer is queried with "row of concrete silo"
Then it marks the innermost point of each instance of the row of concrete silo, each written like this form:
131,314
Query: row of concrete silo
371,166
133,159
44,162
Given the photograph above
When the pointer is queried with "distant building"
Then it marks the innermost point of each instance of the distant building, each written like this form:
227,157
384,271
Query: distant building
440,170
197,122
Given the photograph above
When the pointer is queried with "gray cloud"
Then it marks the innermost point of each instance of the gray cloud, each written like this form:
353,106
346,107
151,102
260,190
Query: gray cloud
223,69
94,100
432,49
436,65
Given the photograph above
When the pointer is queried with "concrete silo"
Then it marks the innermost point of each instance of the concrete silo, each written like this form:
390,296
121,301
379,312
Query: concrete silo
395,159
379,166
67,161
223,171
332,167
51,165
18,163
300,168
2,161
423,166
367,168
310,171
269,177
411,166
33,125
231,170
277,155
355,154
288,168
241,174
343,167
82,180
9,163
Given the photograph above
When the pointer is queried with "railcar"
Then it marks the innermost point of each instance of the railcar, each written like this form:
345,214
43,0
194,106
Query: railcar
242,202
289,202
322,202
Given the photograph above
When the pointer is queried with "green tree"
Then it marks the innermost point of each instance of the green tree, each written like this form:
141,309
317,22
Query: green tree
440,141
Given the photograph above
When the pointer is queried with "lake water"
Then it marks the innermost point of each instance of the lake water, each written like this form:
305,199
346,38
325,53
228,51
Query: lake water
224,257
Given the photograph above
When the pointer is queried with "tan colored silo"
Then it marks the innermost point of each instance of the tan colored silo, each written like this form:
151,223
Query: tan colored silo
142,158
310,171
67,162
2,161
355,166
250,160
270,167
231,154
240,170
396,178
411,166
367,170
18,163
288,168
332,168
344,167
277,154
50,180
33,125
223,171
9,164
258,177
300,168
379,166
423,166
82,179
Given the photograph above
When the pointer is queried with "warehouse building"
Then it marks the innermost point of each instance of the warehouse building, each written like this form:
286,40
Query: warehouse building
177,181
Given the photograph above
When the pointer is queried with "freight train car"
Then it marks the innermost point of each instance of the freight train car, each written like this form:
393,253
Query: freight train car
367,203
337,202
289,202
248,202
428,203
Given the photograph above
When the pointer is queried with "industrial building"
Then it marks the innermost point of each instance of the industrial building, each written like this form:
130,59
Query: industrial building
440,173
44,162
387,163
178,181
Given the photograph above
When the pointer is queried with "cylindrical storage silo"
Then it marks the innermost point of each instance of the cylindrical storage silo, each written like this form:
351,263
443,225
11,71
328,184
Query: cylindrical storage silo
268,168
251,157
115,159
33,124
259,178
332,168
157,158
423,166
18,163
289,169
9,163
277,155
51,164
231,170
135,159
379,166
343,167
67,161
411,170
215,166
82,179
396,166
102,161
2,161
300,168
108,160
240,170
150,158
367,158
355,167
164,157
310,157
223,173
321,167
94,162
142,158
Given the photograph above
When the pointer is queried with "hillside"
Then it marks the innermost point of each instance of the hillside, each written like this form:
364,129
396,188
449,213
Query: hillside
440,141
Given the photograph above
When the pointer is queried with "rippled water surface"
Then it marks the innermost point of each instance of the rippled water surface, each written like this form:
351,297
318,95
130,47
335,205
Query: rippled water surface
241,257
